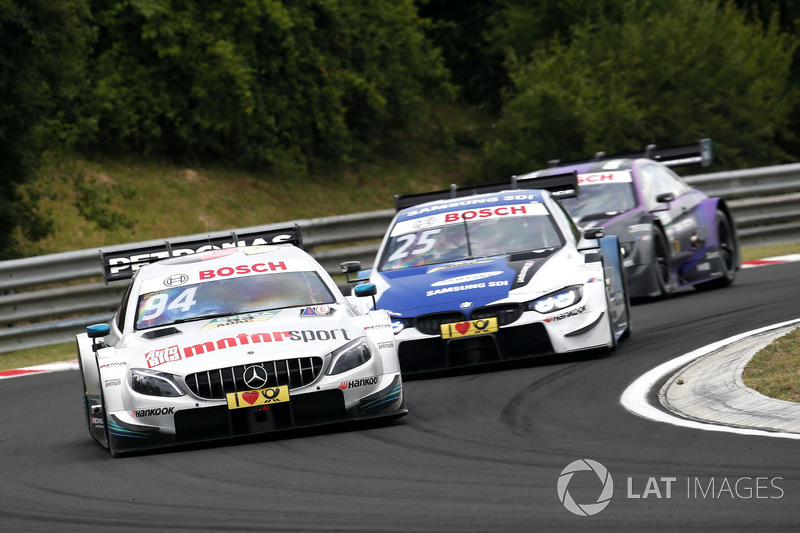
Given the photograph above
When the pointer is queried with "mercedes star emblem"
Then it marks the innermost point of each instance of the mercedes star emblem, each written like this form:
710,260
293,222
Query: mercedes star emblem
255,376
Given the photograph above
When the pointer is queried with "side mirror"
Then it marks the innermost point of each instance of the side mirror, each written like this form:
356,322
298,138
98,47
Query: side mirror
97,331
665,198
349,267
594,233
366,289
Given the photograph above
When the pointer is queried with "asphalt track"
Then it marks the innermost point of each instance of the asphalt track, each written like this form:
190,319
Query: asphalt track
479,451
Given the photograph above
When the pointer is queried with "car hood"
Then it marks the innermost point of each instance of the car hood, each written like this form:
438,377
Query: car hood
448,286
240,339
626,226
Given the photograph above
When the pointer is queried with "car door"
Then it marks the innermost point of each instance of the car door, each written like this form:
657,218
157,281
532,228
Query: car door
678,214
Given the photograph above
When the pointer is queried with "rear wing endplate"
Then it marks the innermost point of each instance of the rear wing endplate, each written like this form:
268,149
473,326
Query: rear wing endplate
121,263
563,185
699,153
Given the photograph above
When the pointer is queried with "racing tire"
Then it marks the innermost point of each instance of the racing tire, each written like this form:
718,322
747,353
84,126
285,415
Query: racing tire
105,424
727,251
661,264
86,414
104,415
627,333
614,341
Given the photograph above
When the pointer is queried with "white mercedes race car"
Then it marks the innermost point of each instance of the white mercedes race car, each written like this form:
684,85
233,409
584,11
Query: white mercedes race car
237,340
496,272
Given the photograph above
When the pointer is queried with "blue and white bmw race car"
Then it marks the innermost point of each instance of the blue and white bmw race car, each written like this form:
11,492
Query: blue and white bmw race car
236,340
496,272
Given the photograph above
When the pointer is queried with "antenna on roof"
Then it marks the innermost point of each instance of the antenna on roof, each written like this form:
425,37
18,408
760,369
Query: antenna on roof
648,151
599,156
705,152
514,182
453,190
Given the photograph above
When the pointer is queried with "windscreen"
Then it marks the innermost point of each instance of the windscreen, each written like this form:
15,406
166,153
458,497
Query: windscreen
601,195
231,296
468,239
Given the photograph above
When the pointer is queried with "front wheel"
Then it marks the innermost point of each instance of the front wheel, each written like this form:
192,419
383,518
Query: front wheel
727,252
87,416
628,330
661,263
611,328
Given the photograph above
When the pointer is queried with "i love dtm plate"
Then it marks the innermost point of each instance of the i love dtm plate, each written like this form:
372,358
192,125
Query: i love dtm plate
471,327
252,398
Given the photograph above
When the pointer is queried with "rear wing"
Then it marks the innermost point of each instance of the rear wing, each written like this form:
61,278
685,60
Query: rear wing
121,263
563,185
699,153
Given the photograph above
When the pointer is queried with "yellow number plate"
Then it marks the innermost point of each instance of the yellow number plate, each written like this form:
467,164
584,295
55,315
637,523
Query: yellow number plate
251,398
472,327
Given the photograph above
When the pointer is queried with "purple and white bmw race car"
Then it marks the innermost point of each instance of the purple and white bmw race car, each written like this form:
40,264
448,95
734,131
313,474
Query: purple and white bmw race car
672,235
236,340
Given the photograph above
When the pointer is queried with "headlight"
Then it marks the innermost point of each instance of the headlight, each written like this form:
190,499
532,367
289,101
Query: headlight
557,300
153,383
349,356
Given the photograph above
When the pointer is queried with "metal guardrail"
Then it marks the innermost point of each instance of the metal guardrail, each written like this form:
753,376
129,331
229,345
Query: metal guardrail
765,203
34,313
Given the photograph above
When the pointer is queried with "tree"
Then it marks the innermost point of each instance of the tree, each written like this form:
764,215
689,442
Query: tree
42,51
462,29
661,73
260,82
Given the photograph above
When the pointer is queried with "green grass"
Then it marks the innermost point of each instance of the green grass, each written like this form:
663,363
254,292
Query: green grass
761,252
104,201
775,370
38,356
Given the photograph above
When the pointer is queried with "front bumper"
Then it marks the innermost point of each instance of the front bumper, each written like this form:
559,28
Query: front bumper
533,335
213,422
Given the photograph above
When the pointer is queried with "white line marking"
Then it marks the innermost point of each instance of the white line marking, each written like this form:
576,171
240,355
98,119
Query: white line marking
634,399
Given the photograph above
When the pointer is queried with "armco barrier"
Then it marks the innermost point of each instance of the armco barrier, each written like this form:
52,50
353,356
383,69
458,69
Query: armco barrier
765,203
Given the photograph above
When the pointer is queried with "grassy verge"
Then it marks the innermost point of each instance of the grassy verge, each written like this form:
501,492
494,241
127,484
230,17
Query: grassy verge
101,202
775,370
38,356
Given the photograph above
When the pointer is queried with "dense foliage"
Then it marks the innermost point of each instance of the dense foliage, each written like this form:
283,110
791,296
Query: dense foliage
43,45
291,86
260,82
660,73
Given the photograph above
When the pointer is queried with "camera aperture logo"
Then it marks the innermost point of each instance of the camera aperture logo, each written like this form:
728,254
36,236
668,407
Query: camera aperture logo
585,509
